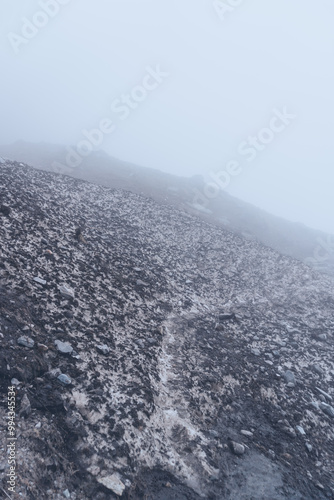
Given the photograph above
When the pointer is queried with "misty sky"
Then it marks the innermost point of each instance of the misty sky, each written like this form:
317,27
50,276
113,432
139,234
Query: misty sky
224,75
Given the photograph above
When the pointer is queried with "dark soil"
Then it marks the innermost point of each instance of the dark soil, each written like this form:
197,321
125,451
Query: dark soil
200,327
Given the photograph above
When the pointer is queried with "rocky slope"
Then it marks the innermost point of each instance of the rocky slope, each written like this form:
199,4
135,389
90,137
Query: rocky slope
156,356
314,247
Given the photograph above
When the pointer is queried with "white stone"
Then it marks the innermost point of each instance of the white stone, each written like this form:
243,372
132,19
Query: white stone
40,281
246,433
113,483
63,347
94,470
103,348
66,291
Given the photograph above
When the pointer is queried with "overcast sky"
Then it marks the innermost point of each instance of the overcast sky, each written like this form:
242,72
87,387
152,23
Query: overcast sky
203,84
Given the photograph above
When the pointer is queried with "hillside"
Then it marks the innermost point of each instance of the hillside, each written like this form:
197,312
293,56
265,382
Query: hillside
156,355
294,239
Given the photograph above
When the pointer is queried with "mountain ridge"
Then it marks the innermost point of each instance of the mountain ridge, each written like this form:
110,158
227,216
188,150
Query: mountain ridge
295,239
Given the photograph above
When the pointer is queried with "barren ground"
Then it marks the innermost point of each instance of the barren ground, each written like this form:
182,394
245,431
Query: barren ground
200,328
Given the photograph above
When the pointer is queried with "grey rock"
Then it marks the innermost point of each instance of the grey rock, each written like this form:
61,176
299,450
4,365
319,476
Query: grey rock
26,341
66,292
226,316
141,283
64,379
67,494
276,354
103,349
94,470
328,409
113,483
255,351
289,378
14,381
237,448
315,405
25,407
246,433
63,347
290,431
318,369
300,429
309,447
40,281
325,394
140,342
292,330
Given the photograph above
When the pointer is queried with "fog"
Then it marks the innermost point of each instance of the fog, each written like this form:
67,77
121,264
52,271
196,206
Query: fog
238,91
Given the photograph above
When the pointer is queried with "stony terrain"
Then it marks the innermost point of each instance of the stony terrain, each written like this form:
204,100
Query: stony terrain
308,245
156,356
